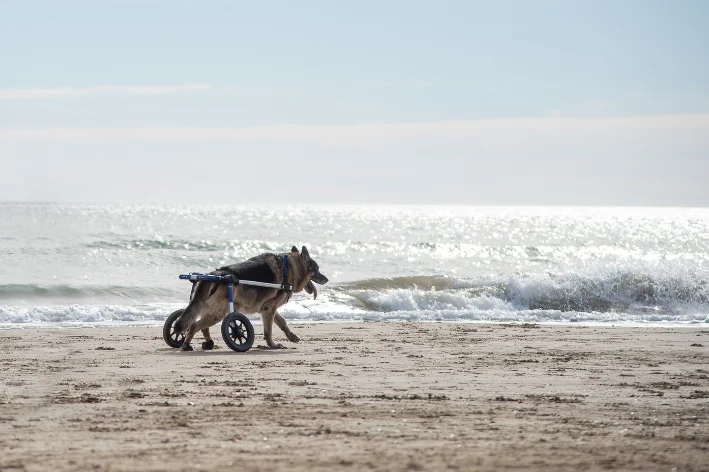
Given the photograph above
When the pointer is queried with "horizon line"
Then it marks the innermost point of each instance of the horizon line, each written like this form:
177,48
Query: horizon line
379,203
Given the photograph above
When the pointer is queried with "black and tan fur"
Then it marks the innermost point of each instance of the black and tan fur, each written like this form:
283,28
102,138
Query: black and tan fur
210,303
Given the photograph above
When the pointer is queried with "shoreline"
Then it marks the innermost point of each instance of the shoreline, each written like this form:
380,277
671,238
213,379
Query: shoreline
256,321
359,396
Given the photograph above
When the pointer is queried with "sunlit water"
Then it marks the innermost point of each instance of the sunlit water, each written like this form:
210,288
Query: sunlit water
78,265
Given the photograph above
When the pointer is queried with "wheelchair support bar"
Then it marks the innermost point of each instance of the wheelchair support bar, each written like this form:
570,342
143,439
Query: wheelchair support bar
230,288
230,280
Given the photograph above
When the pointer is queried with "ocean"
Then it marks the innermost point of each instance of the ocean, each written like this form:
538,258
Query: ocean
78,265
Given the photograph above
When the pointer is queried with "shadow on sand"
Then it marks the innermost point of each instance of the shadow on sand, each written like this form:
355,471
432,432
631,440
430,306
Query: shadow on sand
223,351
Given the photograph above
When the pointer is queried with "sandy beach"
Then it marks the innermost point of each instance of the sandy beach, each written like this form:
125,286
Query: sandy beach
368,396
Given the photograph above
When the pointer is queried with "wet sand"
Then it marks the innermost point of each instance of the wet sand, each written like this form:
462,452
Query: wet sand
369,396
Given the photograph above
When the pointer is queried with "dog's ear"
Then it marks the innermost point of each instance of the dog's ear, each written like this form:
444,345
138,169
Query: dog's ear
304,254
294,249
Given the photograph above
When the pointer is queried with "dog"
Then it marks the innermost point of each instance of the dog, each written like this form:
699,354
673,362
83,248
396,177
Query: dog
210,303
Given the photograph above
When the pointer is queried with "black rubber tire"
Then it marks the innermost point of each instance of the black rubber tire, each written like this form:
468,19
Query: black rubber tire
238,332
168,334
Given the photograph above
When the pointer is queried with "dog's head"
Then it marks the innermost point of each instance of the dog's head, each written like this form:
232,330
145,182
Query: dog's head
312,271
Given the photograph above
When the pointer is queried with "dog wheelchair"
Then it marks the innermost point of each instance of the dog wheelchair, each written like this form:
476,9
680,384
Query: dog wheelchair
237,330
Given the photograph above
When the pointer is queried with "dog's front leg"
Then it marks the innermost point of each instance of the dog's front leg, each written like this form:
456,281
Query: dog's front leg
267,319
281,322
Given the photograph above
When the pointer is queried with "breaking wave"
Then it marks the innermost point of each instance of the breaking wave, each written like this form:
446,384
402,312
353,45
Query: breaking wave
632,296
619,292
84,315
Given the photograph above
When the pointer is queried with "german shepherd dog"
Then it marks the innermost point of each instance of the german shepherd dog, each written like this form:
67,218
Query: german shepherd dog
210,302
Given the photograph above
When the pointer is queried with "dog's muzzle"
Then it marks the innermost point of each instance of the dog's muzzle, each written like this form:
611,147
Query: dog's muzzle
319,279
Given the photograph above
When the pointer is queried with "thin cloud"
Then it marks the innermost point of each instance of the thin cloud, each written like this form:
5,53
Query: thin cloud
71,92
497,131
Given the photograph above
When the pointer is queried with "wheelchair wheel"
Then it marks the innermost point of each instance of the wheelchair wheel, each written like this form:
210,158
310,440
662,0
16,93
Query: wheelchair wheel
238,332
172,338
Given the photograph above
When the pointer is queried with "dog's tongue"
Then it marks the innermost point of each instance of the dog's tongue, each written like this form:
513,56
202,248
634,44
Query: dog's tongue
313,290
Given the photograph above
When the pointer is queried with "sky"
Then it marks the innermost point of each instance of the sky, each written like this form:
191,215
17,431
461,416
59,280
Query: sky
430,102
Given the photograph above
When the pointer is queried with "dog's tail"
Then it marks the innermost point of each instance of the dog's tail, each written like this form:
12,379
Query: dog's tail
190,314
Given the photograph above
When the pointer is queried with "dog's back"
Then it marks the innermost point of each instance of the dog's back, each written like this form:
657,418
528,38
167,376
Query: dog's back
259,268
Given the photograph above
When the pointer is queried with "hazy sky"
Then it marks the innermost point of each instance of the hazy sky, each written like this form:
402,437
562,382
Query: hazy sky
545,102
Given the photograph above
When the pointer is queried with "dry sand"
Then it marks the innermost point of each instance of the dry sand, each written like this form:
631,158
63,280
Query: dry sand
370,396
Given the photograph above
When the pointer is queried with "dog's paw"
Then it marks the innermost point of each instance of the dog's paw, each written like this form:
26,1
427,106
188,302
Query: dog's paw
276,346
186,347
208,345
292,337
